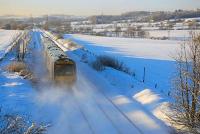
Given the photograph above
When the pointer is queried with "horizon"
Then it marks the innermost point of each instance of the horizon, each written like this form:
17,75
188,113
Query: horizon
59,14
90,7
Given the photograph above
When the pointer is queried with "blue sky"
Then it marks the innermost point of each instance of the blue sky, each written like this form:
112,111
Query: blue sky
90,7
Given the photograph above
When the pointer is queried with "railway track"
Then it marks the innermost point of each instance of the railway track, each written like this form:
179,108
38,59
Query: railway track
104,111
102,102
114,116
122,113
83,114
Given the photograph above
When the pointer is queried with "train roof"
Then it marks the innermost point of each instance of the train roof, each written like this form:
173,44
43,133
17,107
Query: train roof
53,50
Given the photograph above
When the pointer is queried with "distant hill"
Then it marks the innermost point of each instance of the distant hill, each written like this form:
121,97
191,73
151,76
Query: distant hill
145,16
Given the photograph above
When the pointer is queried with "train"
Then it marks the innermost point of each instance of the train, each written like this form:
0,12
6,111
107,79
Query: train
61,69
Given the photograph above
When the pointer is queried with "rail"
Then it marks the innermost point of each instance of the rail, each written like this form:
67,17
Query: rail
103,94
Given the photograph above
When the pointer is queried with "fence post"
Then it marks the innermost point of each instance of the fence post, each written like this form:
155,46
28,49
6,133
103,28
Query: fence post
144,74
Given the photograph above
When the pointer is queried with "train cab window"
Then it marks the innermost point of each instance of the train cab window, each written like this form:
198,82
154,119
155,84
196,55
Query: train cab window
61,70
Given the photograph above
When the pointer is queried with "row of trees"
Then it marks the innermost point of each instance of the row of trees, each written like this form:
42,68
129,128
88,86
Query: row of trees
15,26
145,16
130,31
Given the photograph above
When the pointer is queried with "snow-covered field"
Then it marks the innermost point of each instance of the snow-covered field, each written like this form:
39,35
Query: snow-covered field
108,101
102,90
132,47
93,105
172,34
156,56
6,37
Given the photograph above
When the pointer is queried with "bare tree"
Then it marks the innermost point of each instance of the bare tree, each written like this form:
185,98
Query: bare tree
46,24
16,124
186,105
131,31
192,24
118,30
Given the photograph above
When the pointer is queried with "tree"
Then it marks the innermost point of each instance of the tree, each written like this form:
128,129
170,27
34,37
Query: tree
7,26
192,24
46,24
18,124
67,27
186,106
169,27
93,20
117,30
161,27
142,34
131,31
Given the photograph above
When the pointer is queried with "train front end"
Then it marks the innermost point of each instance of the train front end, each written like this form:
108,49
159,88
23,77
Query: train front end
65,71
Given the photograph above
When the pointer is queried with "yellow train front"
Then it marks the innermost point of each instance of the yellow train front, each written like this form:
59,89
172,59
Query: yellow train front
62,69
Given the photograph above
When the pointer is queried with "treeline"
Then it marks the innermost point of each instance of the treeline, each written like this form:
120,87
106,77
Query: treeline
177,14
145,16
14,24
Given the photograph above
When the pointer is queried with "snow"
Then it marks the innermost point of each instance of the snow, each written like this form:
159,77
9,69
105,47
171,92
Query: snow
143,120
95,94
142,48
155,55
146,96
172,34
12,84
6,37
92,105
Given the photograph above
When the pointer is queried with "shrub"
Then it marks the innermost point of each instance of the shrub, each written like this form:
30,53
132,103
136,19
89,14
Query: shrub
16,67
16,124
97,65
58,36
84,58
106,61
21,68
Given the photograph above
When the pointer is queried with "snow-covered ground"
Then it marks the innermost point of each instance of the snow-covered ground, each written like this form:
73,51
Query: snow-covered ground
107,101
131,47
104,91
92,105
172,34
17,95
156,56
6,37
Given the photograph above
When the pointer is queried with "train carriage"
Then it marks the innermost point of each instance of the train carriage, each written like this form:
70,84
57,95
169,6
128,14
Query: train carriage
61,68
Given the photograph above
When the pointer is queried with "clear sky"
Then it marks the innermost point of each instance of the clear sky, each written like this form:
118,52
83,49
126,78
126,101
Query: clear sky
90,7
